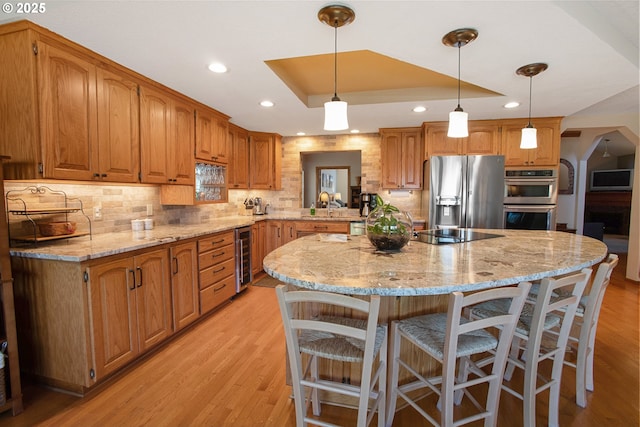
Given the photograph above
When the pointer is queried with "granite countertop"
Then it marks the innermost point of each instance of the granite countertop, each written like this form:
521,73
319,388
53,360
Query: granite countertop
351,265
101,245
79,249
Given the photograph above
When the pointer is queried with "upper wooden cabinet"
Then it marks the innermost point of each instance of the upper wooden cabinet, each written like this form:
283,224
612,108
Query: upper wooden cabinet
546,154
166,138
265,158
402,156
238,170
118,127
212,131
484,138
64,115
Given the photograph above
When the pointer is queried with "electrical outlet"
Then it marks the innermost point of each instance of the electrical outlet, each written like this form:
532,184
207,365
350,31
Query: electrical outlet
149,209
97,213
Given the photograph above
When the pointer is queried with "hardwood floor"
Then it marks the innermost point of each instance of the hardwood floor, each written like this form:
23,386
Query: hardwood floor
229,370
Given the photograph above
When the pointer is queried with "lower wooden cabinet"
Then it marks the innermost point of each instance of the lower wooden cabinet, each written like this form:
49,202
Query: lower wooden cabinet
258,238
217,265
131,308
184,284
304,228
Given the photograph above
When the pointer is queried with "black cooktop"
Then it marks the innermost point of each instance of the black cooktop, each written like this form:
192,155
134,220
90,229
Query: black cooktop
453,235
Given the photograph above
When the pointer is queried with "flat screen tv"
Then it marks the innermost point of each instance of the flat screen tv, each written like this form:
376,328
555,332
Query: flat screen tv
612,180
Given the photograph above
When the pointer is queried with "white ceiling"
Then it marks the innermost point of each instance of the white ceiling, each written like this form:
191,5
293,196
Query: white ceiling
591,48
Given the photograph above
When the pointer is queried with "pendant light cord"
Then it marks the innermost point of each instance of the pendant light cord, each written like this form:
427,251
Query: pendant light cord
335,62
458,108
530,91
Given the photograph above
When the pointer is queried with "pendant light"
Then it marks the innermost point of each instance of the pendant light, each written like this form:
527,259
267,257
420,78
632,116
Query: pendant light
529,133
335,111
606,149
458,119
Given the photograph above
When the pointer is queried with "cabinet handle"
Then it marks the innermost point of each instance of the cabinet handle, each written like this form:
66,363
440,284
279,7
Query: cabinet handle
218,271
96,175
220,288
133,276
217,241
175,264
320,227
140,270
217,255
104,175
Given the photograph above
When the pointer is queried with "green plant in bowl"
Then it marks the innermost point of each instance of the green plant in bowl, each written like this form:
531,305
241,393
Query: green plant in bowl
388,228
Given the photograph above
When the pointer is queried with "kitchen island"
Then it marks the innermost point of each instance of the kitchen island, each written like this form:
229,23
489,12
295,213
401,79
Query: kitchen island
418,278
351,265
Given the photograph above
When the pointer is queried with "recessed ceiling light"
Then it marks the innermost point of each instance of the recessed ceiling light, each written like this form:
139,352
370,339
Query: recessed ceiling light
355,131
217,67
419,109
301,134
267,103
511,104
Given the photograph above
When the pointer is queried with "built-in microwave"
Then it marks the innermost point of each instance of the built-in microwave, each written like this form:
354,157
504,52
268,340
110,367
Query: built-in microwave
531,187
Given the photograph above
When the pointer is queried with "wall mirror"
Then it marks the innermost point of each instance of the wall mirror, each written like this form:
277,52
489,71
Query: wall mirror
565,177
335,171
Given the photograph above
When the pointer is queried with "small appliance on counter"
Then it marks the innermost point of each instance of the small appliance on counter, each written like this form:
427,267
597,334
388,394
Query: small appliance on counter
367,203
257,206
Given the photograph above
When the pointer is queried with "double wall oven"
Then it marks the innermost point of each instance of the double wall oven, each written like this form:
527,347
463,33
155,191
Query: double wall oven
530,198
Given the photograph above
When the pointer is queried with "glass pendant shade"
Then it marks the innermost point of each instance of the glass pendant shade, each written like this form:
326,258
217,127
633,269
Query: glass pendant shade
458,124
335,115
529,138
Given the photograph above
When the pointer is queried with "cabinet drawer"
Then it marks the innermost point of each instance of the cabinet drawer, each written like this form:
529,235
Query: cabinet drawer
323,226
216,256
216,273
215,295
215,241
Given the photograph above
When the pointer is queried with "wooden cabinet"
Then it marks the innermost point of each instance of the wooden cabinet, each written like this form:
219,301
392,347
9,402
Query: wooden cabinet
484,138
265,158
131,308
212,129
274,237
304,228
118,127
217,266
238,169
65,113
258,238
402,156
184,284
166,138
546,154
12,391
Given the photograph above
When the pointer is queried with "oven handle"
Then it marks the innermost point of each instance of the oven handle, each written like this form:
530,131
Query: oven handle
529,208
525,181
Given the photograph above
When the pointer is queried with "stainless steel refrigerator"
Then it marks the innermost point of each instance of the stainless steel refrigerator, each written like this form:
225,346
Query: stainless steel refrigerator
466,191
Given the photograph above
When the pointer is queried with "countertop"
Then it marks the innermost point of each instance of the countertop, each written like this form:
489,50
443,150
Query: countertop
83,248
352,266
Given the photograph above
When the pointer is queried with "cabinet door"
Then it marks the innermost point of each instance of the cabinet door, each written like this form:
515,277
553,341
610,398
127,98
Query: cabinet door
260,160
204,135
112,290
239,161
274,236
184,284
155,135
391,150
510,146
68,129
288,231
153,298
257,246
412,156
181,163
484,138
438,143
548,151
118,128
